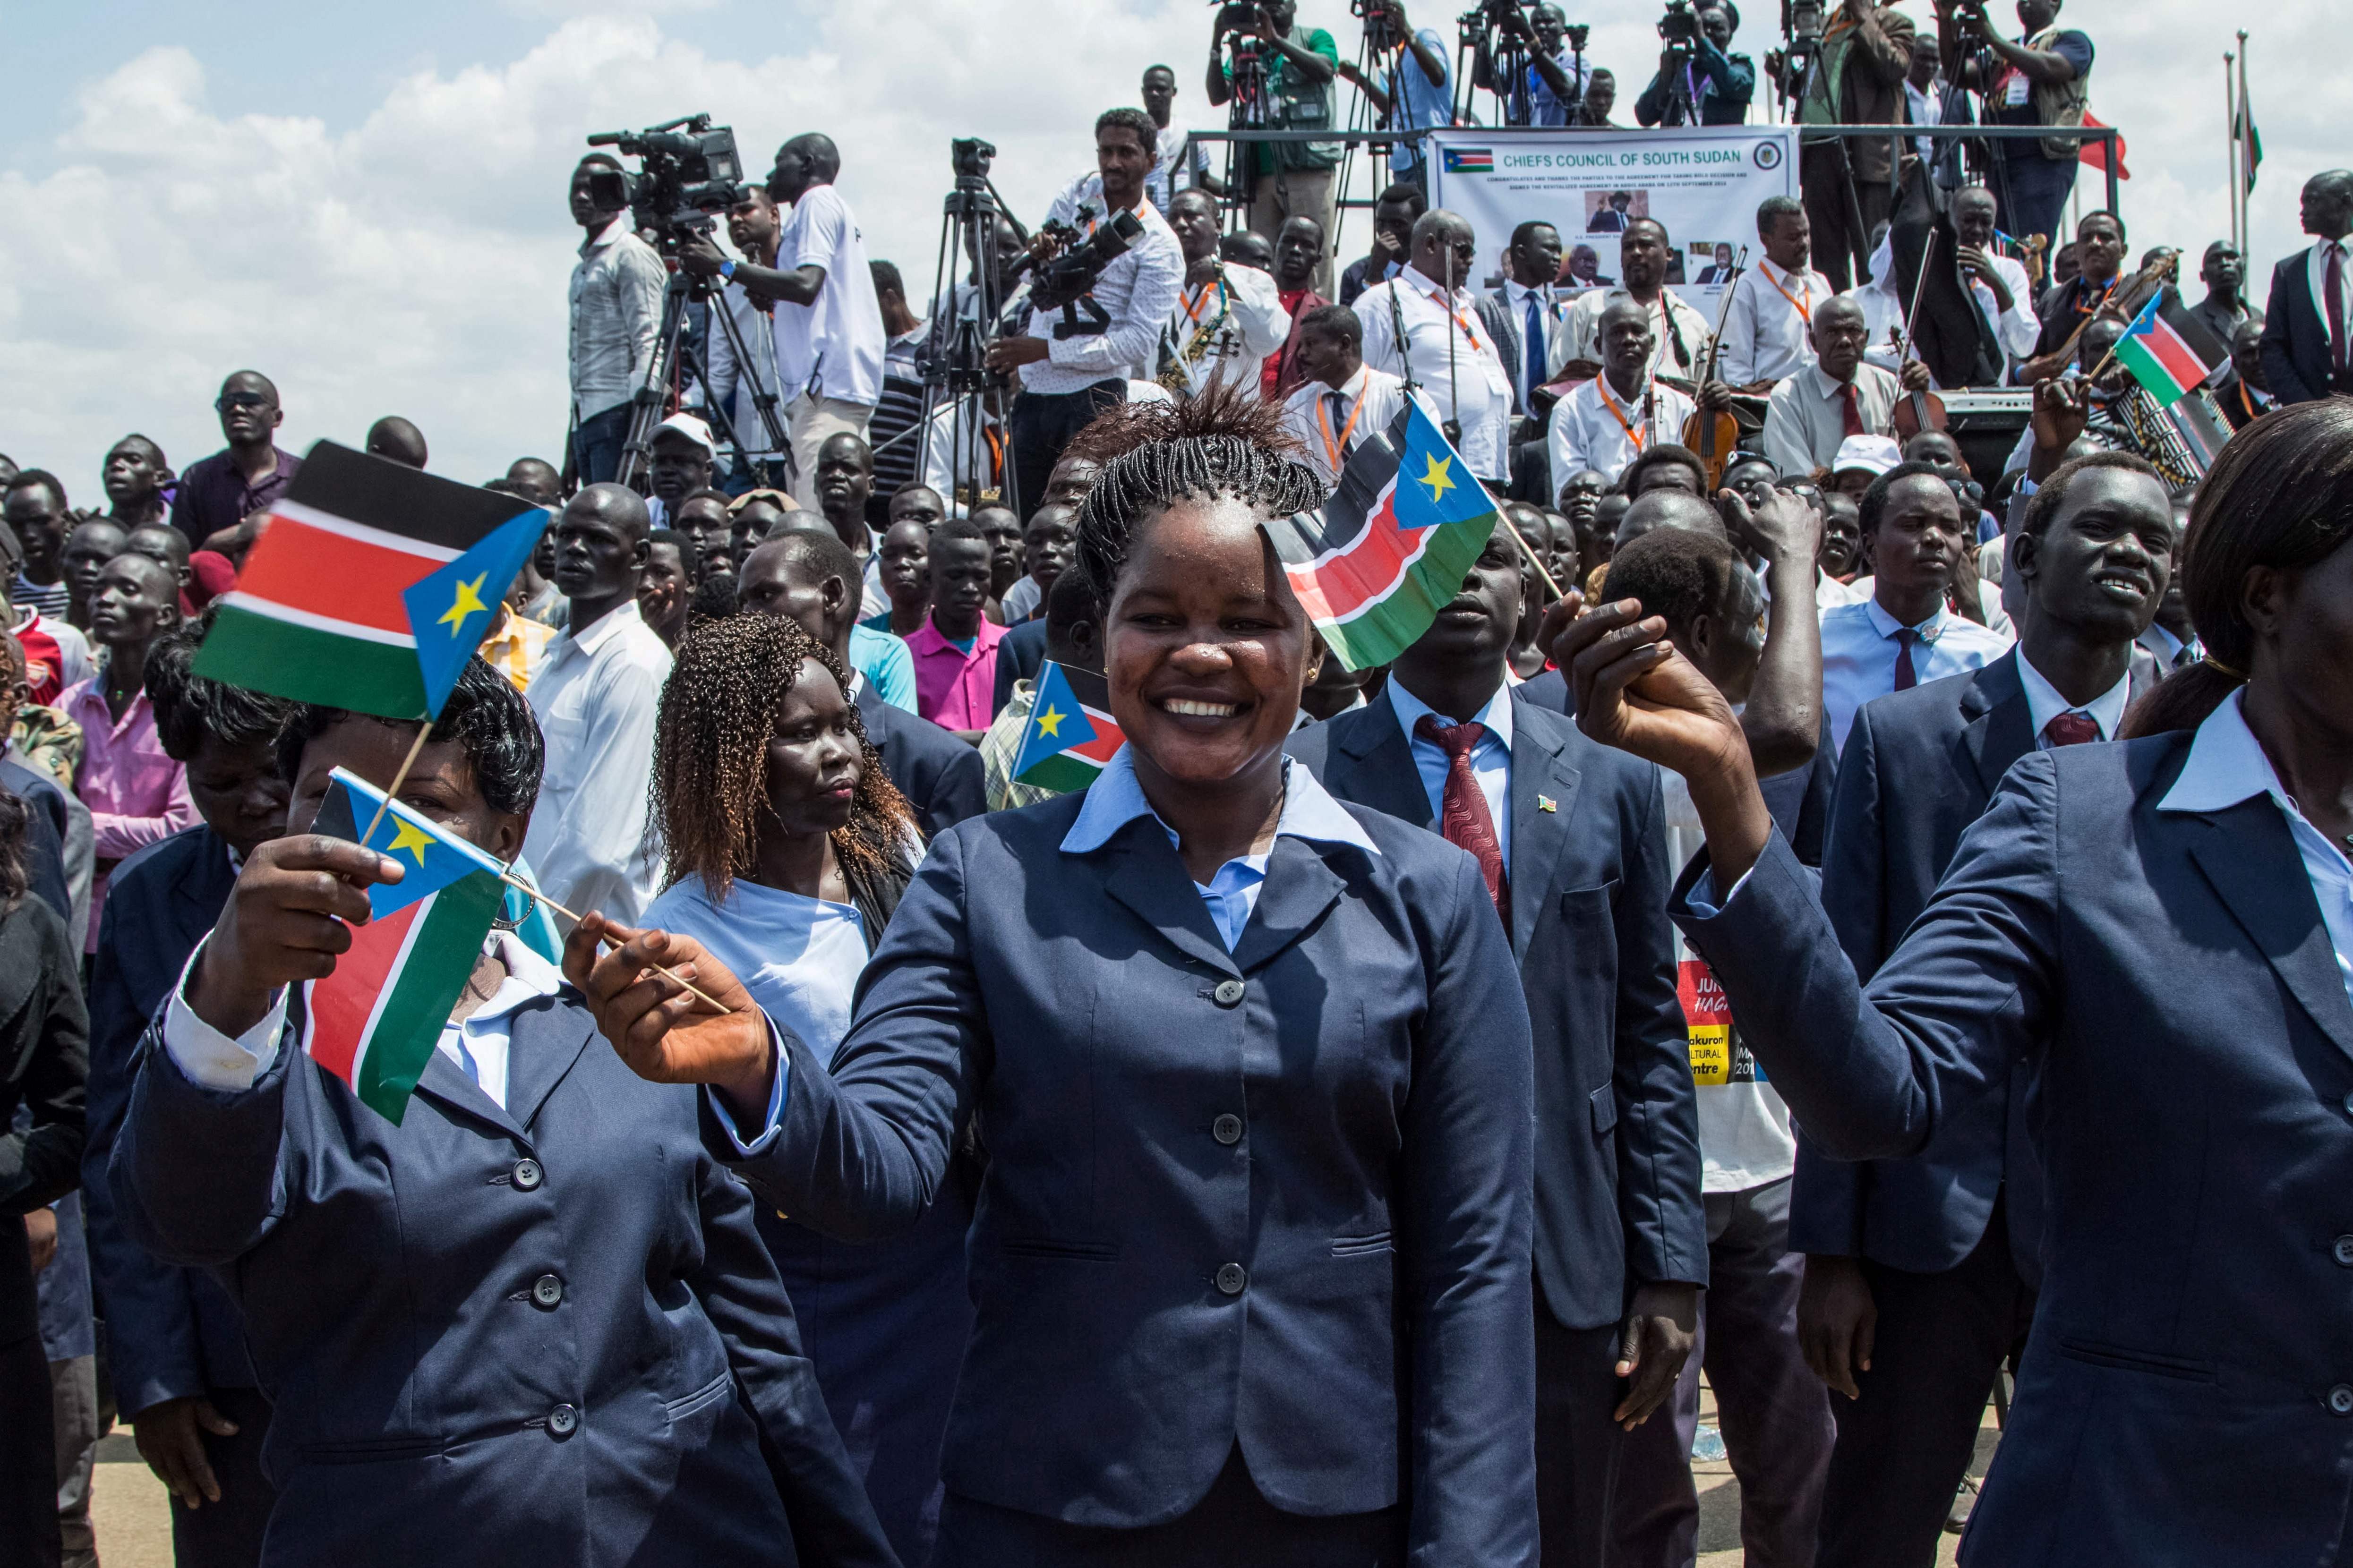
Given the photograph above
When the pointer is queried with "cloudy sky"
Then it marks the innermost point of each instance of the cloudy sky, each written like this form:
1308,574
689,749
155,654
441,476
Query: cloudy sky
368,203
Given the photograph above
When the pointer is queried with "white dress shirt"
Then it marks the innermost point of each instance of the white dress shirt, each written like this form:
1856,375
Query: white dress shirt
1768,326
834,345
1672,321
1595,428
2018,328
2227,765
1369,401
1491,759
2315,273
1453,360
1246,310
595,697
1859,648
1805,419
1137,292
2045,703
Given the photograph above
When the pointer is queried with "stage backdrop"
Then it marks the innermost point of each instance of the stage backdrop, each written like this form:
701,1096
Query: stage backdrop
1703,182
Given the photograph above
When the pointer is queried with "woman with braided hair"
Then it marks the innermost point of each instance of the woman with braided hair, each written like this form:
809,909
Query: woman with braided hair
1249,1262
787,849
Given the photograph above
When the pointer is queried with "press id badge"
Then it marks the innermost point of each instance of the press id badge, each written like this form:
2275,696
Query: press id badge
2015,89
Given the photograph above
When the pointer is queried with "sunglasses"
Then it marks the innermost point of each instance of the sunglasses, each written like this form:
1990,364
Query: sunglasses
229,400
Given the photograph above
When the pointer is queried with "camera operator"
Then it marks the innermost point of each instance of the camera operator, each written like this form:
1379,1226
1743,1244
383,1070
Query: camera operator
1720,84
829,325
1066,381
1556,78
2043,78
753,229
1287,179
1415,93
1857,78
616,308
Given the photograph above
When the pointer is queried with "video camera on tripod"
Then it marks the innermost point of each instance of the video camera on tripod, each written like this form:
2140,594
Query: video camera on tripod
1067,280
1381,35
1791,66
691,173
1504,39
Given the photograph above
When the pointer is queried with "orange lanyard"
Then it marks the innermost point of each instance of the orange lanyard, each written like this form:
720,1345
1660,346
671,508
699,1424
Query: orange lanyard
1804,307
1469,332
996,452
1637,437
1334,449
1193,305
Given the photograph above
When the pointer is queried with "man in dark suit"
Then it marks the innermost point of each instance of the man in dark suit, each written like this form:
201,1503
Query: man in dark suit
795,574
1572,836
1921,1273
2308,353
176,1342
1526,297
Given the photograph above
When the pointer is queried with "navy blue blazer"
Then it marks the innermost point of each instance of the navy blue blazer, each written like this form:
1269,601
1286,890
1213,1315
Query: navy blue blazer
1618,1162
940,775
1018,657
2187,1392
172,1332
543,1333
45,834
2295,337
1276,1196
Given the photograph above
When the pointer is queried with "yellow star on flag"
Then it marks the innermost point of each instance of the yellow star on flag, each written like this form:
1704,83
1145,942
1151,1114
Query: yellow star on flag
406,834
1049,722
467,601
1437,480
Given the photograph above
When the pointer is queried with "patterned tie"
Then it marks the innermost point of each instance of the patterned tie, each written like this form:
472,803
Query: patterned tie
2333,284
2071,728
1535,352
1850,411
1905,676
1464,806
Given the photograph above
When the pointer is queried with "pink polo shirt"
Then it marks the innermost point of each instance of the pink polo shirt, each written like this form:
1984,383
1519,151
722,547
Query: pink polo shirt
955,690
136,795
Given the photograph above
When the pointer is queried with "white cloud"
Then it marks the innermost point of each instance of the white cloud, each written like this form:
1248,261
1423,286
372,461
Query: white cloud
414,263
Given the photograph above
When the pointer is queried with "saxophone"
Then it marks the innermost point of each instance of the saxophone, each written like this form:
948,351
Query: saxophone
1177,369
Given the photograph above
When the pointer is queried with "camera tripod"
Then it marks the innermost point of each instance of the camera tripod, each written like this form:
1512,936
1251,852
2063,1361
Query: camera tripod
672,354
959,387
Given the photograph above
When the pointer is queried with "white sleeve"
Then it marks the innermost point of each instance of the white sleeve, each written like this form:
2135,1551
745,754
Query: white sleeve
207,1058
1583,333
1134,337
1259,305
1736,362
822,220
1382,351
2020,328
1564,443
1785,433
588,865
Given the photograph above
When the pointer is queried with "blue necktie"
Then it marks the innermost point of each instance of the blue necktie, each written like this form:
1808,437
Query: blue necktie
1535,353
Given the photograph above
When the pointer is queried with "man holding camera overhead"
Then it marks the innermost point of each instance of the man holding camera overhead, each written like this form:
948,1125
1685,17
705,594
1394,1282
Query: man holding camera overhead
1718,84
1558,75
1286,179
1075,357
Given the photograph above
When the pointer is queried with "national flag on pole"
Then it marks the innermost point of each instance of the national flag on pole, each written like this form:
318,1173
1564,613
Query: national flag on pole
1070,733
431,856
2243,131
2095,153
1390,547
2169,350
317,614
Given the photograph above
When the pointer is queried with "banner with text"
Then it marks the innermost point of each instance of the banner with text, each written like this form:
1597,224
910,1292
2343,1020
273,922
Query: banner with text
1703,182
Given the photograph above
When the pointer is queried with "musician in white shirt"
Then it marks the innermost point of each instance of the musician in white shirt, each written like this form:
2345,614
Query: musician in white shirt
1623,411
1449,354
1228,317
1771,313
1341,399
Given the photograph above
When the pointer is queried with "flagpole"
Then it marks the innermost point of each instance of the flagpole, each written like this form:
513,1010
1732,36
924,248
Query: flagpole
1533,558
398,779
2230,135
523,887
2246,146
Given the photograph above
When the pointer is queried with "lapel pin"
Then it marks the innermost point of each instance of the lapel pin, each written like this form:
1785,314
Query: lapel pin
1547,803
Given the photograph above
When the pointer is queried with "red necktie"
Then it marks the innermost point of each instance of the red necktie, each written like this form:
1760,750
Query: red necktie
2333,284
2071,728
1850,411
1464,806
1906,677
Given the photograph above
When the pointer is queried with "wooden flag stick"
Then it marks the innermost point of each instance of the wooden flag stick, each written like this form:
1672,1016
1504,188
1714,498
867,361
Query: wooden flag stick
1534,559
670,974
398,779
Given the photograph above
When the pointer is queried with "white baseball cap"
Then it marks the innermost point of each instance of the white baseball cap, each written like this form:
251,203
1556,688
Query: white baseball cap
1873,455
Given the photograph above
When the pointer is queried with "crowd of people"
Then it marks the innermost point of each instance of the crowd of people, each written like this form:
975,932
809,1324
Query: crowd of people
1815,912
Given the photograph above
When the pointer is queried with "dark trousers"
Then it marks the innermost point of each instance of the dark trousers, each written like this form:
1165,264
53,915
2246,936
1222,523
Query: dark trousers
1773,1410
1905,1444
1577,1443
1040,425
227,1534
1840,249
597,444
1233,1527
28,1460
2039,188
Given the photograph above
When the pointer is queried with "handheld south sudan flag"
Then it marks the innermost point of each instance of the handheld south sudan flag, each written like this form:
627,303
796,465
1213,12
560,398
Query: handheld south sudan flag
1070,733
375,1022
1391,545
2169,350
319,612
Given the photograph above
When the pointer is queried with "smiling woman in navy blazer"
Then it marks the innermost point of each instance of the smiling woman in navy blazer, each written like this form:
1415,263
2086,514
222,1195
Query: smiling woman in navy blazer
2163,929
1252,1073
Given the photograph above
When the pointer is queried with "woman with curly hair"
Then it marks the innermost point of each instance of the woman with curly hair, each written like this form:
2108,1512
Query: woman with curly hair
788,847
1250,1260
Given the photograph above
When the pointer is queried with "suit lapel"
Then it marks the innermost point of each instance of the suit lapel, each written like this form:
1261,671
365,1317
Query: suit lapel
2249,855
1150,879
874,713
447,1085
546,1038
1299,889
202,889
1539,774
1997,726
1371,763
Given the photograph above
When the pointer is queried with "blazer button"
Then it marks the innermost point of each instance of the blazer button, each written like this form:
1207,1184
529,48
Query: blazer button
528,1175
1232,1276
2341,1399
1228,1129
1227,992
2343,1251
564,1420
547,1291
2348,1105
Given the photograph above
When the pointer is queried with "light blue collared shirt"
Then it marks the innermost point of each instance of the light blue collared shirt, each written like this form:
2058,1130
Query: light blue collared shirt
2045,703
1859,649
1491,759
1116,799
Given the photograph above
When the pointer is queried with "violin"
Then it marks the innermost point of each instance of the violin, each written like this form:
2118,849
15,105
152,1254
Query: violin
1916,411
1713,433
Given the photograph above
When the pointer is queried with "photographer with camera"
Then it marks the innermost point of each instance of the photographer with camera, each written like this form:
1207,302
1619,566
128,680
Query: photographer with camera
616,309
1281,78
1105,271
1697,81
1550,88
2042,78
1415,92
1855,76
